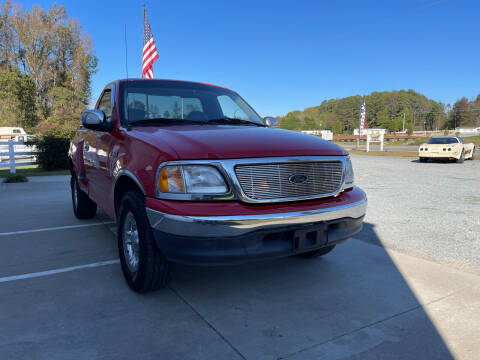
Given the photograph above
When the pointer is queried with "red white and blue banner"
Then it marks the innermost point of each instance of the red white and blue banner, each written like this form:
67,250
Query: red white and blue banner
361,130
150,53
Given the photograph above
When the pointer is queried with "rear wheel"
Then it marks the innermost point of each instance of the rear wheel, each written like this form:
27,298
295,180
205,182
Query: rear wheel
318,252
144,267
461,158
83,207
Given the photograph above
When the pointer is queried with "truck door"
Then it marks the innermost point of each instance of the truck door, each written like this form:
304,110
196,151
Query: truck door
104,141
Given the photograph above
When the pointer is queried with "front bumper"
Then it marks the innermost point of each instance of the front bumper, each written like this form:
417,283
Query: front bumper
439,155
235,239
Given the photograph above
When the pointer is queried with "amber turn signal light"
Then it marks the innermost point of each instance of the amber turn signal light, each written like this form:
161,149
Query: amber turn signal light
170,179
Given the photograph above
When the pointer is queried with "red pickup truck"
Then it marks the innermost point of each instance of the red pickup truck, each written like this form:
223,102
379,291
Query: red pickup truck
192,174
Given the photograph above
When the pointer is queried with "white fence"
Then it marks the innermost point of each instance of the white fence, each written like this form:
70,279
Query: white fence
11,151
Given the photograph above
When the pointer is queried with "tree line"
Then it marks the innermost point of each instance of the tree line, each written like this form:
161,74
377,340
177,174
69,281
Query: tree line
393,110
46,65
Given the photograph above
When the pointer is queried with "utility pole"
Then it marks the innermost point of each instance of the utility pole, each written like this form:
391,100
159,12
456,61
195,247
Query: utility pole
403,122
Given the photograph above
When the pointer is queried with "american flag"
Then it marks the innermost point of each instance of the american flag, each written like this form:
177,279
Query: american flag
362,118
150,53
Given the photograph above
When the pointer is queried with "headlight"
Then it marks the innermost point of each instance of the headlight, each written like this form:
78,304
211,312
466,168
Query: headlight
349,178
191,179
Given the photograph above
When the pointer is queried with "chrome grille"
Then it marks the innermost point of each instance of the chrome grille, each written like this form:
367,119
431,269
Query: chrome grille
271,181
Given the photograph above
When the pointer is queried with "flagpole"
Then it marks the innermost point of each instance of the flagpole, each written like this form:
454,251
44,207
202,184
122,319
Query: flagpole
143,6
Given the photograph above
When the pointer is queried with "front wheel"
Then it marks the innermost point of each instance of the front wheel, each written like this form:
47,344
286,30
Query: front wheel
83,207
144,267
318,252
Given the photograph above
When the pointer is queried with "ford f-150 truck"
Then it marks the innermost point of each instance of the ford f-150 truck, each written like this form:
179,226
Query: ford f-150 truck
192,174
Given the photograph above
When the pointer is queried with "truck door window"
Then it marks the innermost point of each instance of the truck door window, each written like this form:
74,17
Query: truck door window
105,105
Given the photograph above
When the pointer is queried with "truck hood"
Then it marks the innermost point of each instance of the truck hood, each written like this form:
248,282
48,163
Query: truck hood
228,142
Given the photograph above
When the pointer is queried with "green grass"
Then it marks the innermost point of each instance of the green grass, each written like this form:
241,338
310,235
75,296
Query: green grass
473,139
417,141
409,154
32,170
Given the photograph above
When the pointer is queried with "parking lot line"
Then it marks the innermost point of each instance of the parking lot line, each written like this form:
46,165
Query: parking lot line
55,228
57,271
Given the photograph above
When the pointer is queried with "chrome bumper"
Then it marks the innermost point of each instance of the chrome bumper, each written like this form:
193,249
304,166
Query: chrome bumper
230,226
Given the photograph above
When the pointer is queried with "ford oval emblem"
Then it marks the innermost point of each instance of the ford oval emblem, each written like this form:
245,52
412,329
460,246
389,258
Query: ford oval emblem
297,178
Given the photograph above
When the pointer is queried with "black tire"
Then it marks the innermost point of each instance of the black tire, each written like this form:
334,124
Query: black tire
318,252
83,207
145,269
462,157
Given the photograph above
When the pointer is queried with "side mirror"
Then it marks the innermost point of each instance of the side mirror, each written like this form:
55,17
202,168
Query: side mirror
94,119
270,121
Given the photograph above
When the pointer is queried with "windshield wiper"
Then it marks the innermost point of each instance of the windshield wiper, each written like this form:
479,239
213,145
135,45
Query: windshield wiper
160,120
228,120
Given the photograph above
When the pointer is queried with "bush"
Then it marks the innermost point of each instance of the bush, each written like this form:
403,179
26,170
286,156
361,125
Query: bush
15,178
52,148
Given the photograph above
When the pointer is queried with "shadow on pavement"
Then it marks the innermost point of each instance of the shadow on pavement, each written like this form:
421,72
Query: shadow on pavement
353,303
369,235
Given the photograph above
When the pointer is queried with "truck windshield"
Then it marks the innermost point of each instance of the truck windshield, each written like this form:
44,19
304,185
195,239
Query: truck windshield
177,102
443,141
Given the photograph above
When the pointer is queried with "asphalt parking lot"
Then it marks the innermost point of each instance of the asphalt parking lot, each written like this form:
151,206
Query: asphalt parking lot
407,288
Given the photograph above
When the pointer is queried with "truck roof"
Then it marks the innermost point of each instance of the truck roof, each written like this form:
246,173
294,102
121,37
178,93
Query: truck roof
168,80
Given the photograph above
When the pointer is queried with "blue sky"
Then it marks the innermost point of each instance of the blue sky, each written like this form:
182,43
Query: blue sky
287,55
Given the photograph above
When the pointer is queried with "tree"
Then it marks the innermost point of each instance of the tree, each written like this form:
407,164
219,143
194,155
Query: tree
461,115
50,53
337,127
291,121
383,109
309,123
17,100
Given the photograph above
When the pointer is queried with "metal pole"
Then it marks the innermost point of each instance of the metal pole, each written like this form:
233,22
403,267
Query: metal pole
403,122
11,155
